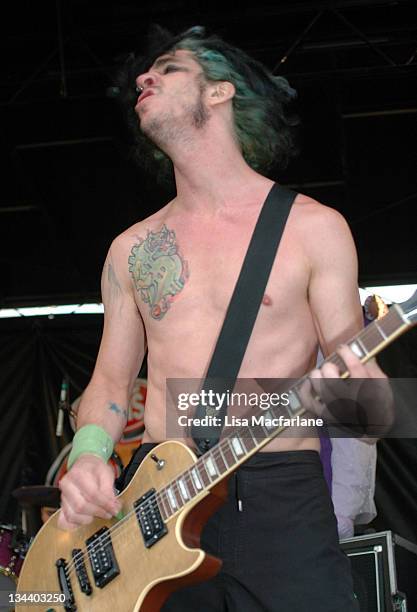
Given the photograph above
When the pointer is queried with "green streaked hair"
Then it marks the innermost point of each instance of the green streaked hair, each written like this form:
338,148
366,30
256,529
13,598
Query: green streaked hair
264,128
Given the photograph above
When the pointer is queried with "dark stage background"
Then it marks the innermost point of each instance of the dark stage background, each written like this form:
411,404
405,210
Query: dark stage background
69,187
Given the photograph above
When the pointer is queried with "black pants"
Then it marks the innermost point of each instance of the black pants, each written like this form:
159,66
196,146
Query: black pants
277,537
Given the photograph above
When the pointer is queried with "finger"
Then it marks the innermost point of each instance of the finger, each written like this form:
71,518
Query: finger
353,364
95,484
101,494
322,382
315,374
330,370
78,502
75,518
309,395
64,523
108,492
374,370
316,383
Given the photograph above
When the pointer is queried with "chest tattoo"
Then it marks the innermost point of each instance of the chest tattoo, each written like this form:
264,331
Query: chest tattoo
158,270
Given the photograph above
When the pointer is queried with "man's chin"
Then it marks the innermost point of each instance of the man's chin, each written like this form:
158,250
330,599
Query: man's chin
152,133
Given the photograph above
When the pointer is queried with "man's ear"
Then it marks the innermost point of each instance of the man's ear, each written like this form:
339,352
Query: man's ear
220,91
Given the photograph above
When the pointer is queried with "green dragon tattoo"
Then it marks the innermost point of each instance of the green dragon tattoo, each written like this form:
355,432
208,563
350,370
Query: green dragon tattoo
158,271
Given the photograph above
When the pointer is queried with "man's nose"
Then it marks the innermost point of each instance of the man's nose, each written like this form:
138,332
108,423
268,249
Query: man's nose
145,80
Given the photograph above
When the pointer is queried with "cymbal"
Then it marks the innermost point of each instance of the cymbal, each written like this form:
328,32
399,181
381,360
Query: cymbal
38,495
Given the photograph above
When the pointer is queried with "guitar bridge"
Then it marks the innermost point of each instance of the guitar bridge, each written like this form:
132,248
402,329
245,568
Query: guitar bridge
149,518
65,585
102,558
81,571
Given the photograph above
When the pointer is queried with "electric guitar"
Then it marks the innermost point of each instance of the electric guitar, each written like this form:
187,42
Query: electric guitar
133,564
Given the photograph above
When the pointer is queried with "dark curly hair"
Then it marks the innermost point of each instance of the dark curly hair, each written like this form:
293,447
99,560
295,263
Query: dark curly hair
264,127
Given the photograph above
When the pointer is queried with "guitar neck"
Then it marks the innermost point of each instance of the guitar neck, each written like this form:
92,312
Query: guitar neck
241,443
374,338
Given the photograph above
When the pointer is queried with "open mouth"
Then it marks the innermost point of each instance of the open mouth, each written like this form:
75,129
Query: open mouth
144,95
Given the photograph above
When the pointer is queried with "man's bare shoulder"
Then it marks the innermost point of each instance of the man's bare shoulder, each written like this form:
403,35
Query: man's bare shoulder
316,222
138,231
322,230
307,210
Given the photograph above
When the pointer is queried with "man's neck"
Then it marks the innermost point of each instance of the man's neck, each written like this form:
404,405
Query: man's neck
212,175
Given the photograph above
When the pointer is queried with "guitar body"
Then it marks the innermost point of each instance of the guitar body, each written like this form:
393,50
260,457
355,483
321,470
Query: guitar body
147,575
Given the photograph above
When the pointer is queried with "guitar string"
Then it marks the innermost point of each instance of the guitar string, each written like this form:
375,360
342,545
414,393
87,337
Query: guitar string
155,497
215,453
159,495
115,530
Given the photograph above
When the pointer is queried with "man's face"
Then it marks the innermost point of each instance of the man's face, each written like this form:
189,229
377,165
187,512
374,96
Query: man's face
172,99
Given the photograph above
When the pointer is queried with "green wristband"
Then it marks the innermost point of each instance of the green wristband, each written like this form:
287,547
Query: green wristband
92,440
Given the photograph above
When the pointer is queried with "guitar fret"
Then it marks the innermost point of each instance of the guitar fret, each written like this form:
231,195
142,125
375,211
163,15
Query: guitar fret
253,437
237,446
183,489
249,444
232,450
372,338
226,465
392,321
243,445
257,429
165,512
357,347
172,499
264,428
190,484
202,472
294,403
338,362
381,331
178,493
228,452
384,328
210,466
220,461
196,480
268,416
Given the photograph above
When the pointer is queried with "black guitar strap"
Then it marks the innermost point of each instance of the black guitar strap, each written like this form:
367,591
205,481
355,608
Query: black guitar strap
242,311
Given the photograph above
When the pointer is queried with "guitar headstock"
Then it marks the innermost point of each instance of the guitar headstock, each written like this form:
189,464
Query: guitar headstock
409,308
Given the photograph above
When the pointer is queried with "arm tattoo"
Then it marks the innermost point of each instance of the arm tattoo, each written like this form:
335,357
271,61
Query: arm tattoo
158,270
114,285
115,408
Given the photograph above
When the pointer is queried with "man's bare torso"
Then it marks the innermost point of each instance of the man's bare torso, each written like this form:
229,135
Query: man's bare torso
211,249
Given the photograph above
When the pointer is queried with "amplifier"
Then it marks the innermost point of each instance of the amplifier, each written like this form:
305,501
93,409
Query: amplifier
384,569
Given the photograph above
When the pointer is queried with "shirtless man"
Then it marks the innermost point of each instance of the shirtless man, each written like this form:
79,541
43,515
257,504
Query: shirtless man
177,312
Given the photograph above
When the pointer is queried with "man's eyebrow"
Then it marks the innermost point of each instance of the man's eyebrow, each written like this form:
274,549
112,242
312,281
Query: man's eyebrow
164,60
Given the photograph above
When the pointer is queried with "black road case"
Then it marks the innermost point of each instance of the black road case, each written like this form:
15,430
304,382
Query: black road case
384,568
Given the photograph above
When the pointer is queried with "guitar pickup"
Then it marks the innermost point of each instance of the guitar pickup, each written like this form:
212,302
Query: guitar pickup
149,518
102,558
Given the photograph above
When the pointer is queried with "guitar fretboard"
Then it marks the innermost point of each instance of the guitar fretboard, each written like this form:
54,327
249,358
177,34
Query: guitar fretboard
243,442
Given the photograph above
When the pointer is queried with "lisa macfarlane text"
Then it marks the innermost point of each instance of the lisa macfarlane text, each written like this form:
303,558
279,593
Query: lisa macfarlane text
269,422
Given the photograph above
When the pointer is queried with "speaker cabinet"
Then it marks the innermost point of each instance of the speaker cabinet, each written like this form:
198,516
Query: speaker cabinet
384,569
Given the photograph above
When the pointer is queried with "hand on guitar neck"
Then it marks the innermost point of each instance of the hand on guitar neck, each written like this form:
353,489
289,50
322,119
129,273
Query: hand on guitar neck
353,396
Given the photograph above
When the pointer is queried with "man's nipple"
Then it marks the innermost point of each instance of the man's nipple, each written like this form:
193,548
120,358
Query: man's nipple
266,300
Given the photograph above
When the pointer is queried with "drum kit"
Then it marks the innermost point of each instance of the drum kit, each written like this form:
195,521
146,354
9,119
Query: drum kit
13,547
